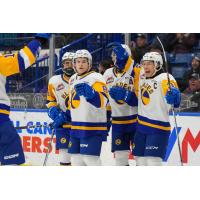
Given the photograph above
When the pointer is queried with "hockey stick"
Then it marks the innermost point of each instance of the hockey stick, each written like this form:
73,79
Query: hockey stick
173,110
32,126
49,146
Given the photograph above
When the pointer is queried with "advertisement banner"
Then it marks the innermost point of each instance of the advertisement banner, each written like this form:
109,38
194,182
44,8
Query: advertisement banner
35,140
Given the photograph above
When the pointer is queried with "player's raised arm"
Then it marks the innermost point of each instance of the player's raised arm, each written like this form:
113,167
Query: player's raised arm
14,63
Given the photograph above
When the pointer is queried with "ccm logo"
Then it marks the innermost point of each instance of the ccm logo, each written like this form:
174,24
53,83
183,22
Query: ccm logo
11,156
83,145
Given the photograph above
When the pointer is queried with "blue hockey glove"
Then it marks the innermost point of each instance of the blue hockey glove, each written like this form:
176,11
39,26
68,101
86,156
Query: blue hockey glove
113,92
121,57
53,112
173,97
43,38
60,119
83,89
119,94
35,47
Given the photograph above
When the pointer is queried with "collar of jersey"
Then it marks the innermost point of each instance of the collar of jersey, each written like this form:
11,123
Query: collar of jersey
65,78
156,74
116,73
85,74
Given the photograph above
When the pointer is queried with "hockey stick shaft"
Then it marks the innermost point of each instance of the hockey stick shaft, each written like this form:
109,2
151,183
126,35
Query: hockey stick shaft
173,110
32,126
48,148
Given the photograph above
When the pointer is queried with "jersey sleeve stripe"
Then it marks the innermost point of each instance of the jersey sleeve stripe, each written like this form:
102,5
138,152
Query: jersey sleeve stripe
25,58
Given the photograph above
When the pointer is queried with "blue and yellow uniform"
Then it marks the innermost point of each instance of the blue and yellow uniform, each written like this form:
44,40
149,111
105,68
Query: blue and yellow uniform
58,96
153,115
124,115
11,151
88,116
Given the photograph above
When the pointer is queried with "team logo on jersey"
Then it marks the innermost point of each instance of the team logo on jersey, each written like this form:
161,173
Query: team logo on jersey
75,100
60,87
109,80
118,141
63,140
124,85
146,90
145,96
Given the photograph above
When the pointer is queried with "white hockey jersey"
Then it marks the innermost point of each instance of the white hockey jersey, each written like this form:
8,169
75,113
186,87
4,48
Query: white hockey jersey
12,64
124,116
58,95
58,92
153,110
87,117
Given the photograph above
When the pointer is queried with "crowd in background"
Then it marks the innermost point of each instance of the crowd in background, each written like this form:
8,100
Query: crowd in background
177,43
174,43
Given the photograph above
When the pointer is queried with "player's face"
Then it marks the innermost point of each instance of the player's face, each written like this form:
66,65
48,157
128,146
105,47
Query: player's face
149,68
81,65
67,64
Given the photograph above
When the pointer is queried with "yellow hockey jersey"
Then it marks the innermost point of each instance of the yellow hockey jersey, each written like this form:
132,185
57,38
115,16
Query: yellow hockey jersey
153,110
88,118
124,116
13,64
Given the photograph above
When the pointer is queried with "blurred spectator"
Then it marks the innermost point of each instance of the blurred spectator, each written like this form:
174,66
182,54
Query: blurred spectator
155,48
184,42
140,47
195,66
195,69
191,96
168,40
104,65
194,84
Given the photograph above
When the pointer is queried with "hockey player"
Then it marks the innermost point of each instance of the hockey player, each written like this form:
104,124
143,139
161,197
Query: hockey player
11,152
57,102
123,102
154,100
88,99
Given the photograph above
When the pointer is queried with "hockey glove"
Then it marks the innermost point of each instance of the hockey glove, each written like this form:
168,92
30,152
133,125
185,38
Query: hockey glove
121,57
83,89
35,47
53,112
60,119
120,94
173,97
43,38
